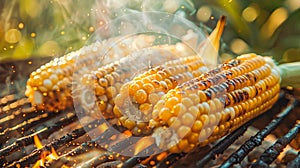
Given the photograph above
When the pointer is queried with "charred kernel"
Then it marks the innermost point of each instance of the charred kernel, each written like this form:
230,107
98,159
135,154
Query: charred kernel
155,83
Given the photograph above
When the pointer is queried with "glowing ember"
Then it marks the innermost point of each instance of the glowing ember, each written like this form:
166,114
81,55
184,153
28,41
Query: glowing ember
46,156
37,142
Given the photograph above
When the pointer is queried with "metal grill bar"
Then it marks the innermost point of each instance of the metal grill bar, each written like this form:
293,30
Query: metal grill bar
256,140
221,146
7,99
25,125
9,104
44,133
34,156
295,163
271,153
28,112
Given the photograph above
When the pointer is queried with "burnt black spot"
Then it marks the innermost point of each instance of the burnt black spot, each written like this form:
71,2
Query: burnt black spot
235,97
256,91
246,95
225,86
231,82
208,94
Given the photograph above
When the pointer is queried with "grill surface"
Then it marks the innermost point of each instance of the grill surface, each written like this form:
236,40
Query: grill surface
19,123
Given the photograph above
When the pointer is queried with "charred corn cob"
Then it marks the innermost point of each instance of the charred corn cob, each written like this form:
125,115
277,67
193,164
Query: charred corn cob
49,87
135,102
216,103
104,83
136,98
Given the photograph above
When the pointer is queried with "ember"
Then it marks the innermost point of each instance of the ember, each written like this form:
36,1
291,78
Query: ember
46,156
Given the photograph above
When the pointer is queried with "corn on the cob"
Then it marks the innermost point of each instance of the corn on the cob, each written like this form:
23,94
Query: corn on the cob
49,87
135,102
104,84
136,98
216,103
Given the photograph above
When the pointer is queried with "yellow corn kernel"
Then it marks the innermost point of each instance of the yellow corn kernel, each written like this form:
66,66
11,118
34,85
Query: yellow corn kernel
223,108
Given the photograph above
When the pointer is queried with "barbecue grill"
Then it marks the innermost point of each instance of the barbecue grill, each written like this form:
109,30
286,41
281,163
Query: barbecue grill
22,127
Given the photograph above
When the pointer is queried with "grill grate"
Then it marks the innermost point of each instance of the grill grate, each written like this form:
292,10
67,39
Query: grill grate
256,140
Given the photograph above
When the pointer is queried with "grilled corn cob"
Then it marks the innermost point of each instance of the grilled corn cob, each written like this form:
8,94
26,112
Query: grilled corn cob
49,87
135,102
136,98
104,83
216,103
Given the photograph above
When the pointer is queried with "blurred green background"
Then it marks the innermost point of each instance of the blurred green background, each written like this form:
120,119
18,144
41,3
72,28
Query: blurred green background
35,28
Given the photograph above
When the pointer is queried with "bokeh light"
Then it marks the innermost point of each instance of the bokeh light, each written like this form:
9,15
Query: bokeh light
293,4
273,22
239,46
264,26
13,36
204,13
250,13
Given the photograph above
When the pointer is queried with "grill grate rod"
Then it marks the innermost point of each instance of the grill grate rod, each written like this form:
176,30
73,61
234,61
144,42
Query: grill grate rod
16,115
295,163
256,140
34,156
221,146
43,134
273,151
105,136
25,125
9,105
7,99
